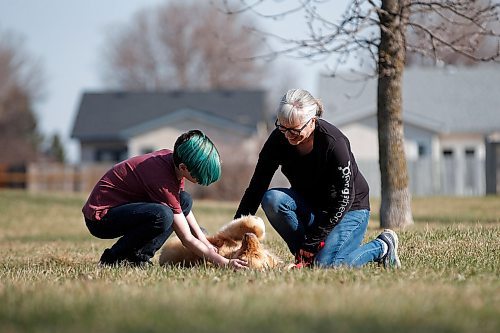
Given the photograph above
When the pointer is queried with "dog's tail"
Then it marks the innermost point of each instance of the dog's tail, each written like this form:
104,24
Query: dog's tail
239,227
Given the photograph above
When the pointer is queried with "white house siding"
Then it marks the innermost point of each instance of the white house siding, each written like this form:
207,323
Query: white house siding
158,139
459,143
448,100
231,145
420,142
364,140
463,170
430,173
363,137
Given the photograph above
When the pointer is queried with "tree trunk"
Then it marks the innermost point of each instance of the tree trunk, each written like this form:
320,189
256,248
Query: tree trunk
395,208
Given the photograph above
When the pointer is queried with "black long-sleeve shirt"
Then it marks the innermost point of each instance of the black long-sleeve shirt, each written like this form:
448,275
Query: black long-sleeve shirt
328,178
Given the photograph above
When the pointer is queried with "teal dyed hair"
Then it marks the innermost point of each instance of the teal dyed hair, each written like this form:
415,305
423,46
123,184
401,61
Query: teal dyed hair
200,156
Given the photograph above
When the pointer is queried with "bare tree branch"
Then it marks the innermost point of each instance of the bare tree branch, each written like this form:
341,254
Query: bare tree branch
390,32
454,31
227,9
351,34
183,45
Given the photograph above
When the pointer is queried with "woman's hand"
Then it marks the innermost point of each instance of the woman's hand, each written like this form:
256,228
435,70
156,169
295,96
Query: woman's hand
237,264
303,259
306,255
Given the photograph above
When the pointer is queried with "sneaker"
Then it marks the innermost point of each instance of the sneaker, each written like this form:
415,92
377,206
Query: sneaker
109,258
136,259
390,259
133,259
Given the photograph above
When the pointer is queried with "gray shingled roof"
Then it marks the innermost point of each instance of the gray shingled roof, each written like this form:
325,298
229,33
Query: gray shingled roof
103,115
452,100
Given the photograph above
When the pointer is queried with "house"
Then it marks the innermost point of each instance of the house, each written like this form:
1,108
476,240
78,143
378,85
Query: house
451,127
112,126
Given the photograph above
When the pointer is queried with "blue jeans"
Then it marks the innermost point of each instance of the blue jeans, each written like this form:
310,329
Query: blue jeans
291,216
143,227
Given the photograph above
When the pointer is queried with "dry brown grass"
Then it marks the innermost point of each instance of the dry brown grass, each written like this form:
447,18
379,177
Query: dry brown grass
49,280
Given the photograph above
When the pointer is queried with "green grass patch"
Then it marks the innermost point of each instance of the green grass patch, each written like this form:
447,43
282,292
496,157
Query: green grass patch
50,282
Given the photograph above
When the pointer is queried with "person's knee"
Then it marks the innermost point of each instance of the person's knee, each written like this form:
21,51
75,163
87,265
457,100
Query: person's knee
186,202
271,201
323,260
94,229
164,217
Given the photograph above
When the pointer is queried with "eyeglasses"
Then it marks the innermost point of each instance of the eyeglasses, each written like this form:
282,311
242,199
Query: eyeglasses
293,131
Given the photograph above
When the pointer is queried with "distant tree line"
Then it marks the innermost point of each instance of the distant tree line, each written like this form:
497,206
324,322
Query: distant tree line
21,82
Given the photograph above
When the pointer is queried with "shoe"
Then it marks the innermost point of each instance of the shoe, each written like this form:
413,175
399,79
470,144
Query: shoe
390,259
109,258
133,259
136,259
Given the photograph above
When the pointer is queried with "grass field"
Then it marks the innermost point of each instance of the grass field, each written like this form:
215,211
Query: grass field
49,280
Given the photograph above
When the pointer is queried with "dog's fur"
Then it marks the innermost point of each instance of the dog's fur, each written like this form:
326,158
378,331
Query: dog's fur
239,238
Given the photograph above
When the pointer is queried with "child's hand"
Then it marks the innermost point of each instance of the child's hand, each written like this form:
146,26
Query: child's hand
237,264
212,248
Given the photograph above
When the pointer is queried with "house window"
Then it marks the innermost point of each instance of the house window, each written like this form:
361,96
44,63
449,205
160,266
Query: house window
448,153
470,152
147,150
110,155
422,150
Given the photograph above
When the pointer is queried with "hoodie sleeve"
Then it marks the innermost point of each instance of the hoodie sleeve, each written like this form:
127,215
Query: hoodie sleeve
341,194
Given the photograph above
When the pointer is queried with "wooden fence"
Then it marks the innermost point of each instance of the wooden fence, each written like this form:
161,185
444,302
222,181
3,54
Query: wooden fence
426,178
12,177
42,177
47,177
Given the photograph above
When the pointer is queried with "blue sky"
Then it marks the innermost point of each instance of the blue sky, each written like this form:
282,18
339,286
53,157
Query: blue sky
67,36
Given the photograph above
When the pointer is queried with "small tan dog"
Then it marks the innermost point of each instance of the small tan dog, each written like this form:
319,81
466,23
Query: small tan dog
239,238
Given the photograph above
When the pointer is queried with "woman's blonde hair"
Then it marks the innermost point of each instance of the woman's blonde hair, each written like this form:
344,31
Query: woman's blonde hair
298,105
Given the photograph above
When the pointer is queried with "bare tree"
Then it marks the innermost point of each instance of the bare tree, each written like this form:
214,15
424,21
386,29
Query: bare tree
425,49
183,44
20,86
375,32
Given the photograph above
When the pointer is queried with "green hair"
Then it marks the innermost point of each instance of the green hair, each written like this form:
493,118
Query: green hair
200,156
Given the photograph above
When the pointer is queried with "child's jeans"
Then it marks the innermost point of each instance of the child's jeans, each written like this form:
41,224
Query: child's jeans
143,226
